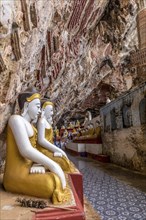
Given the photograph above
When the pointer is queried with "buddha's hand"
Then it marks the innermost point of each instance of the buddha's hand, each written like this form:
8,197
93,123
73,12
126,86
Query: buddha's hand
37,168
64,154
57,154
60,154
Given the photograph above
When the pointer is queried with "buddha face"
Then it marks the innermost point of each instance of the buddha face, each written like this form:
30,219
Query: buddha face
50,121
34,109
91,126
48,112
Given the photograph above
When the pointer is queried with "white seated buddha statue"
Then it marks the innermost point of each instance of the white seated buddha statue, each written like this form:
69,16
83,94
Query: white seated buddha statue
22,153
45,138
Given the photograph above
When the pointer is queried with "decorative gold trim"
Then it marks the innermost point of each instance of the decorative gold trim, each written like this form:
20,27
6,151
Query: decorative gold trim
34,96
47,103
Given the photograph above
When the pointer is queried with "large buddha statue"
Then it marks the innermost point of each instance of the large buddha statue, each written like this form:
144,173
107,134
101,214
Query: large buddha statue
22,153
45,139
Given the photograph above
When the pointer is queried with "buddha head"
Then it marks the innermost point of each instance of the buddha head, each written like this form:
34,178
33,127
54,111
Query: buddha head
50,120
29,103
91,126
47,110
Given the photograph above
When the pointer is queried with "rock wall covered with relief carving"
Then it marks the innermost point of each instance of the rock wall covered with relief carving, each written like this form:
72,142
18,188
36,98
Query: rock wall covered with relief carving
124,129
76,52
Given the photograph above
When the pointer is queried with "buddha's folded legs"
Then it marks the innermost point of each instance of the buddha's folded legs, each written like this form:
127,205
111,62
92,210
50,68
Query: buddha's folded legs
46,185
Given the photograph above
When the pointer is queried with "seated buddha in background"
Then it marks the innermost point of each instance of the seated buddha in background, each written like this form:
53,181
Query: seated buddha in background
45,138
62,127
74,132
81,134
97,129
22,153
65,133
77,124
78,134
91,131
56,132
70,126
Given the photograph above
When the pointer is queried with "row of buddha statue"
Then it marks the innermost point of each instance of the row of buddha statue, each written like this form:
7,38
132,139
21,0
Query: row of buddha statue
78,132
64,131
34,165
89,132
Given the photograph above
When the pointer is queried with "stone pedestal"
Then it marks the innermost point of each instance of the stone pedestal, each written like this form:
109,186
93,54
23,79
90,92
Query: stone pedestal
74,212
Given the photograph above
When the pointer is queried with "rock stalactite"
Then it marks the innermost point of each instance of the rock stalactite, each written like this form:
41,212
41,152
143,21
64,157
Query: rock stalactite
15,42
2,64
33,15
25,15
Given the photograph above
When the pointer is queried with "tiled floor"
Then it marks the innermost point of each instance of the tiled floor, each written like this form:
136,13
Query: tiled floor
116,193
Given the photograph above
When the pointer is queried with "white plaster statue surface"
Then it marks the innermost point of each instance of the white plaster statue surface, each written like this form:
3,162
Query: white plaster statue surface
22,130
45,139
45,123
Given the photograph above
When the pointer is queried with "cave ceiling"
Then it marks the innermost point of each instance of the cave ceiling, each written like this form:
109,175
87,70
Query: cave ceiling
96,62
77,53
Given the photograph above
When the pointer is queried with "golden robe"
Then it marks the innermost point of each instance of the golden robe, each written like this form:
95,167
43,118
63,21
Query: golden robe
17,178
64,163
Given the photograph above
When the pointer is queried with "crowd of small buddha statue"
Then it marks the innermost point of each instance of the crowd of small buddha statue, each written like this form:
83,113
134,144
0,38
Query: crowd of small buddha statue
34,165
77,132
91,131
